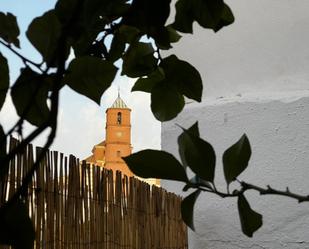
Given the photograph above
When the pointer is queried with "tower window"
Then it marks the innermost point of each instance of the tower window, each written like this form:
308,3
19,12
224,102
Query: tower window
119,118
118,153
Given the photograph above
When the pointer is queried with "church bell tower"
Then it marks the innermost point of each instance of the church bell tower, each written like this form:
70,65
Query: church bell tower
118,136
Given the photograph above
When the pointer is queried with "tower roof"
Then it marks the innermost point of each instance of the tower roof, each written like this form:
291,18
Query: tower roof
118,103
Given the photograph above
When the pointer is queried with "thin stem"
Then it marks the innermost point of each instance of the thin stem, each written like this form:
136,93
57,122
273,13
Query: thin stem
263,191
214,187
23,58
271,191
206,189
52,120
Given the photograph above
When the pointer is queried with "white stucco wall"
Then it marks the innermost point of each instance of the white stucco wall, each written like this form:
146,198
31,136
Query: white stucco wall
264,50
256,81
279,134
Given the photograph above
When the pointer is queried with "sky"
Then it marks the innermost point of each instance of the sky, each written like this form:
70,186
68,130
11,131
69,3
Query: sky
81,122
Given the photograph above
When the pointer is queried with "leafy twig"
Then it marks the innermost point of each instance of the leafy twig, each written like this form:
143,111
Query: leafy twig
52,120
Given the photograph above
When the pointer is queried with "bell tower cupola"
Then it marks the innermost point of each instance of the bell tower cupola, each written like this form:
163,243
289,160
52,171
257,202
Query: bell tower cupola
118,136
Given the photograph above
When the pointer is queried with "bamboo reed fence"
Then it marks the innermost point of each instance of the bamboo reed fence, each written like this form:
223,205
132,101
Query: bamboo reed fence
74,205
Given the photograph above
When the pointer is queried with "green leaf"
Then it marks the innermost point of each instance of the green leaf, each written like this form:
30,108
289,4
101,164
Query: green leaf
196,182
86,20
183,76
173,34
236,158
129,33
84,44
148,83
184,17
250,220
44,34
156,164
4,79
165,36
69,13
227,18
182,141
117,48
125,34
90,76
166,102
187,208
211,14
29,95
16,228
108,9
117,9
198,154
162,38
147,15
139,60
9,30
65,10
3,153
200,182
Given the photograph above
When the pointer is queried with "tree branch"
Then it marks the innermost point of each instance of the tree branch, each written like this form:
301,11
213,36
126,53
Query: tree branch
23,58
52,120
263,191
271,191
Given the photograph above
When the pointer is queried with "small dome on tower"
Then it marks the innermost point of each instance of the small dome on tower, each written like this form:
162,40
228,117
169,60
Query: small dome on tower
119,103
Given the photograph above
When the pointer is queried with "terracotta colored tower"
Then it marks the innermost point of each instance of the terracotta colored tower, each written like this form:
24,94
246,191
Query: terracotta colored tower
117,141
118,136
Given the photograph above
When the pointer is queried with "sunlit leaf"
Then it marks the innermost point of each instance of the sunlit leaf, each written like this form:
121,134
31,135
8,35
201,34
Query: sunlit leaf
187,208
9,30
156,164
29,95
198,154
16,228
236,159
250,220
90,76
4,79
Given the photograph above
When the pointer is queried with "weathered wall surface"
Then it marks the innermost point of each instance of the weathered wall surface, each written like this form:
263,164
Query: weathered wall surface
256,81
279,134
264,50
